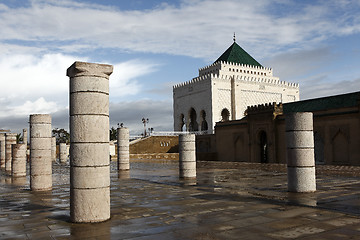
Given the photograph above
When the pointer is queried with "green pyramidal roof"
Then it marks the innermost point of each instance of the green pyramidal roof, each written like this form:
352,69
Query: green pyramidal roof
236,54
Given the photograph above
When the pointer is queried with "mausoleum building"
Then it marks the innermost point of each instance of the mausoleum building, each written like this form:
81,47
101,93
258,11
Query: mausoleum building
224,90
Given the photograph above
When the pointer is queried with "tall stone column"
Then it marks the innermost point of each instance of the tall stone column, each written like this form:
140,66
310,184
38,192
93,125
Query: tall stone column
25,136
53,149
40,152
25,141
62,153
2,151
187,156
123,148
300,152
10,138
18,164
89,142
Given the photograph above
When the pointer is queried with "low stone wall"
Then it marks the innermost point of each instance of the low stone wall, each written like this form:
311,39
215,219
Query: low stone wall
163,156
155,144
206,156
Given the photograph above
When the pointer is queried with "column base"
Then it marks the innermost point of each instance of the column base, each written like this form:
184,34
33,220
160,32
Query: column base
301,179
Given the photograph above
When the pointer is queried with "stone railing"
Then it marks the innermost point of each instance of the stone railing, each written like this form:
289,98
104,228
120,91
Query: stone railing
174,133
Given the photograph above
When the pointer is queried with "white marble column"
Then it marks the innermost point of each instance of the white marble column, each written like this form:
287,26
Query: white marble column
25,136
63,153
10,138
187,156
300,152
2,151
18,164
40,152
53,149
123,148
89,142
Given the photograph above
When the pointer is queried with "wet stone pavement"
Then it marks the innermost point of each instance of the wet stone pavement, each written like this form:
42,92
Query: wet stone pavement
226,201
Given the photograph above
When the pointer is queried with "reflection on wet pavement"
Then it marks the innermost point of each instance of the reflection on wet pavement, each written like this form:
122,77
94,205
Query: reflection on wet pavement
225,201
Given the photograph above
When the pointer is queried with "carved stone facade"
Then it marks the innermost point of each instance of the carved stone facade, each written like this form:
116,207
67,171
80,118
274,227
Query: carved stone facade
224,90
260,136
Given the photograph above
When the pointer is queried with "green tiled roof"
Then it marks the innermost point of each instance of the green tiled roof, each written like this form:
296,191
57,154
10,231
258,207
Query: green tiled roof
324,103
236,54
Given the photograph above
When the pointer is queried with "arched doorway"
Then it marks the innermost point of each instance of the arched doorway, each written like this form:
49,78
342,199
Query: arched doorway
225,115
263,147
240,149
340,148
318,148
204,124
193,125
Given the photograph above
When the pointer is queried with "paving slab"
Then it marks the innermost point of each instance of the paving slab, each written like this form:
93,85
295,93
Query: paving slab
226,201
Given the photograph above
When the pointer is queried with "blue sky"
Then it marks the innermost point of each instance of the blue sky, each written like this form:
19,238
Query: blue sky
156,44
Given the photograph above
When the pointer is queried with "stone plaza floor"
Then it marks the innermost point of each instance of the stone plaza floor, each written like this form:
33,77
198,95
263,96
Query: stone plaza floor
226,201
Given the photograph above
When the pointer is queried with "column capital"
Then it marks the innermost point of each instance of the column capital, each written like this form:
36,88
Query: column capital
10,134
78,69
40,118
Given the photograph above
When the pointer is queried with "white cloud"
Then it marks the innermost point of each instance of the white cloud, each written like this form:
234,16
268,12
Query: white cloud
183,29
128,112
16,120
3,7
319,88
16,117
38,106
290,66
123,80
38,84
28,77
131,112
33,72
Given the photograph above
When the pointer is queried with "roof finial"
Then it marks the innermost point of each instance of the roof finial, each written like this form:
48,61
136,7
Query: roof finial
234,37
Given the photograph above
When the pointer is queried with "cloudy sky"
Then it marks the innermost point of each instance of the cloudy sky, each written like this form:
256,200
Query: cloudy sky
154,44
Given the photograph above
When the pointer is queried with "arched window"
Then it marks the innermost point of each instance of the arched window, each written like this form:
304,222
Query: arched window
193,125
225,115
204,124
182,122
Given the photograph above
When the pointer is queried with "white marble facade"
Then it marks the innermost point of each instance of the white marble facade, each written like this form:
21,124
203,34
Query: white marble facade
222,91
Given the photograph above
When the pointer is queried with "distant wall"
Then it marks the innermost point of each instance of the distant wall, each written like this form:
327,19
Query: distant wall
206,147
155,144
336,138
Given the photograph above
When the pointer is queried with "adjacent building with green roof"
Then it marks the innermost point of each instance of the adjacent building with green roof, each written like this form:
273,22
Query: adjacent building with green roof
336,131
324,103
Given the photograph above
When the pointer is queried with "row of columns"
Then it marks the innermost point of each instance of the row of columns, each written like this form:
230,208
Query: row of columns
13,155
187,153
89,143
89,148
